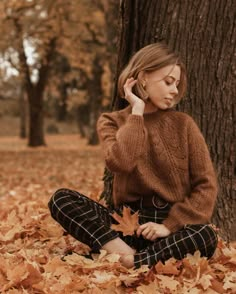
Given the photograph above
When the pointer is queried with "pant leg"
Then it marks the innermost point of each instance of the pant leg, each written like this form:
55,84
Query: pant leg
86,220
188,240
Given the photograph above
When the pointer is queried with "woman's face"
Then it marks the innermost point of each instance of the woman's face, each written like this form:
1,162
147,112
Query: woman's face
162,86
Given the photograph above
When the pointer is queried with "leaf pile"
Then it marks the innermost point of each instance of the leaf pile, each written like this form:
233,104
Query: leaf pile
36,256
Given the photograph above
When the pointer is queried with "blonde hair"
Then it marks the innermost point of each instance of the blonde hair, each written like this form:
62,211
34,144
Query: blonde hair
148,59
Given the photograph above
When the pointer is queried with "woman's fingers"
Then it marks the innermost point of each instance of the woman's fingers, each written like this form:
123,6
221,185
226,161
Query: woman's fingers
149,235
140,229
136,102
130,83
128,86
152,231
144,230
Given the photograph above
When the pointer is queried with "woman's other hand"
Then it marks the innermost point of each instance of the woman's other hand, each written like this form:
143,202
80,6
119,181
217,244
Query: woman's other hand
136,103
151,231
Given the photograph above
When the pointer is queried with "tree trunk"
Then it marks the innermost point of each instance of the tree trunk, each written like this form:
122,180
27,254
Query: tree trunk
83,119
36,118
23,114
62,104
35,93
204,33
111,22
95,93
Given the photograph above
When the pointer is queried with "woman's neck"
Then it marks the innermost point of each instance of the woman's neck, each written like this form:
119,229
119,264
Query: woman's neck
149,107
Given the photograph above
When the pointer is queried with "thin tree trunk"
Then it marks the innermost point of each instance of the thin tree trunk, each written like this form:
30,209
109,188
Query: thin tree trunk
95,93
83,119
204,32
62,105
36,118
23,114
35,96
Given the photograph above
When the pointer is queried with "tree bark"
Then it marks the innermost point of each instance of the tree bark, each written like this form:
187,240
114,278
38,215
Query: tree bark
204,32
88,113
23,114
36,118
62,104
111,21
95,94
35,97
35,91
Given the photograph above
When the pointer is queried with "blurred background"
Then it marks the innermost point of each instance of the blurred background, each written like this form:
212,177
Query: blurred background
57,66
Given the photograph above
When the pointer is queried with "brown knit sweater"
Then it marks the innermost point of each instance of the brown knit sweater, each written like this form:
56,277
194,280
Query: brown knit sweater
161,153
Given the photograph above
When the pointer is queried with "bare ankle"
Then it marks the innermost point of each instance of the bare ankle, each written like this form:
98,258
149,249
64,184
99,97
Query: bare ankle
118,246
127,260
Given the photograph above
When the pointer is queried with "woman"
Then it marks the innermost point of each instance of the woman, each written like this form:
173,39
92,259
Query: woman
161,167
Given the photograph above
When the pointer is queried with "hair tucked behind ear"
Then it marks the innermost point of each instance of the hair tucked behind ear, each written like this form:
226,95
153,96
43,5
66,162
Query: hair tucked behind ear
150,58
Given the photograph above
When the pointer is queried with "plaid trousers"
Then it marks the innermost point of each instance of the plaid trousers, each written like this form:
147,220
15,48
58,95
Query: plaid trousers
89,222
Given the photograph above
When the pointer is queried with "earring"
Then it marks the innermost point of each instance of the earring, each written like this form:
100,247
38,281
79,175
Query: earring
144,84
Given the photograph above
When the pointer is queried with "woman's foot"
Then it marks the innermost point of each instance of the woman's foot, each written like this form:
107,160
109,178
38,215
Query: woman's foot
125,251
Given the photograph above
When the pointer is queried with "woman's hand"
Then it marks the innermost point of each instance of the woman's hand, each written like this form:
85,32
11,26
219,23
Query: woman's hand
151,231
136,103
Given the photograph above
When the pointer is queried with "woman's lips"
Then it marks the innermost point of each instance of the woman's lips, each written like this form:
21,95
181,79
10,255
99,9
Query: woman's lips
168,101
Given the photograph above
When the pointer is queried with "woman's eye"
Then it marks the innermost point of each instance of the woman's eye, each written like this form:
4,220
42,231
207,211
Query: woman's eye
169,83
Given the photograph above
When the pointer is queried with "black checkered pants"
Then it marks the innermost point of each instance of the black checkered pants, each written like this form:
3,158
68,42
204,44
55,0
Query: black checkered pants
89,222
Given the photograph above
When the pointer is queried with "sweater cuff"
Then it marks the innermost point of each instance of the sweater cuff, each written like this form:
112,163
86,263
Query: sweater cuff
172,225
135,118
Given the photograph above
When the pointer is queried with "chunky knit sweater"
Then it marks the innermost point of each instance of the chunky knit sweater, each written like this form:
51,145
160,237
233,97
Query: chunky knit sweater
161,153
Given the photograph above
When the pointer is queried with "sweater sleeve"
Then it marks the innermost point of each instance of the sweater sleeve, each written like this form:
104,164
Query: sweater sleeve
122,146
196,208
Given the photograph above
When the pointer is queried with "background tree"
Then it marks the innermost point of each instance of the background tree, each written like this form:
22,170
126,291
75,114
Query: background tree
74,29
204,33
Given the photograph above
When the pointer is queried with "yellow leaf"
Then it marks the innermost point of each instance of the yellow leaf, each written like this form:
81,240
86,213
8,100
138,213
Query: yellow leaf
205,281
102,277
230,282
194,259
168,283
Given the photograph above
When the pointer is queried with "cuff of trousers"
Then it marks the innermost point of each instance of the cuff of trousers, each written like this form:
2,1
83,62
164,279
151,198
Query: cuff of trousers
103,239
141,259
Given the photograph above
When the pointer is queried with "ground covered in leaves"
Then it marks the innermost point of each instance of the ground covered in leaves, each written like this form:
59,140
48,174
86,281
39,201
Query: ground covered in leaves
37,257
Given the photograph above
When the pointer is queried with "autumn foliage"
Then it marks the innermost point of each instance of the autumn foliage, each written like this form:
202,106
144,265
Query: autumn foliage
37,256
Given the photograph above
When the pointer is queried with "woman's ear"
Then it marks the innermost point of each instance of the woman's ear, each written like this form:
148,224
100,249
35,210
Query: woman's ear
141,86
142,78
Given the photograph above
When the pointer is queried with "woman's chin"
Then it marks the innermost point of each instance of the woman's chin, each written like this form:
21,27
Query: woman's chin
165,106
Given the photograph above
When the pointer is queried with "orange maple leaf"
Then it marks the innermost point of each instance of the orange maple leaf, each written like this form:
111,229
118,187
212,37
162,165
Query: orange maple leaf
168,268
128,223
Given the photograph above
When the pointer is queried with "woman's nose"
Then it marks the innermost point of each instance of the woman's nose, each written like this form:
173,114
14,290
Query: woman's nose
174,89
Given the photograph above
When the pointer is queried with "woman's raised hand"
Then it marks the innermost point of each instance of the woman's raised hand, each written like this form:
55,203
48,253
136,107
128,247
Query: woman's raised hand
136,103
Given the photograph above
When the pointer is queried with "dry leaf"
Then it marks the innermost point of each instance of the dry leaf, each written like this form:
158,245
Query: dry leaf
217,286
230,282
128,223
152,287
102,277
167,282
169,268
205,281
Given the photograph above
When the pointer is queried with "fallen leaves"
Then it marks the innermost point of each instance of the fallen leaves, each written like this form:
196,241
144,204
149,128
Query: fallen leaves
171,267
127,223
37,257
